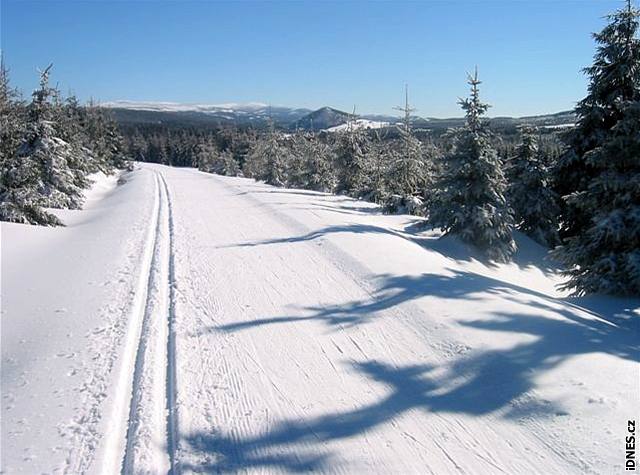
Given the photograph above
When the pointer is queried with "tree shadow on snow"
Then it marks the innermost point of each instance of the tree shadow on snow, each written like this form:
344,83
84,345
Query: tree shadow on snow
529,254
477,383
482,383
395,290
353,228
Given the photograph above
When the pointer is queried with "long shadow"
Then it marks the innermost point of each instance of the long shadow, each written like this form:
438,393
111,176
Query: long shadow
353,228
530,254
484,383
395,290
481,382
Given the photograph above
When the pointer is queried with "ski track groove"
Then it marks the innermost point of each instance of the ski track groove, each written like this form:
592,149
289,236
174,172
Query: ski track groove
157,329
115,441
138,384
171,382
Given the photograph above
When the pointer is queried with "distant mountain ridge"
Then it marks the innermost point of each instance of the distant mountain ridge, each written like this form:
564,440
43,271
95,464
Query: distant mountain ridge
323,118
258,114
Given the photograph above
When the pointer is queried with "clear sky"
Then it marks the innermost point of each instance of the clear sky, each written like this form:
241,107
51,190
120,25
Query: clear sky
310,54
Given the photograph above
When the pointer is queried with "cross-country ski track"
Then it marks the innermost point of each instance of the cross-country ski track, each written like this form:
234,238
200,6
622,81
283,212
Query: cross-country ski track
190,323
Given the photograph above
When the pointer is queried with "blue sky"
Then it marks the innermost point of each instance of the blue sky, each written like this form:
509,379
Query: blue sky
309,54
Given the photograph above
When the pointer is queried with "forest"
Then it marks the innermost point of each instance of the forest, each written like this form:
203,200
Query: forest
575,191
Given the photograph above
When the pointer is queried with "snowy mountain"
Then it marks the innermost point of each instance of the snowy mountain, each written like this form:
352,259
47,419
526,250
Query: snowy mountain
252,112
257,114
323,118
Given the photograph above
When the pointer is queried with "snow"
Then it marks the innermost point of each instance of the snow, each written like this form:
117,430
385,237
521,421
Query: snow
285,330
180,107
359,124
559,126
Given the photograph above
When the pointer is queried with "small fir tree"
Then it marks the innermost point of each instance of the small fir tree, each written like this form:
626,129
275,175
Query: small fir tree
534,203
470,198
352,167
317,171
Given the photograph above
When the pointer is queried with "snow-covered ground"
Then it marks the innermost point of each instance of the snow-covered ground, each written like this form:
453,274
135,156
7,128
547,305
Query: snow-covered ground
359,124
189,322
179,107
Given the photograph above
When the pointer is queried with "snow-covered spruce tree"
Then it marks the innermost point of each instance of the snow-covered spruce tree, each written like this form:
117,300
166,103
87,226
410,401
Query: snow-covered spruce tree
295,164
138,147
470,199
114,147
254,163
376,162
71,126
20,178
614,80
602,233
11,116
206,156
534,203
38,175
226,164
316,159
409,171
605,256
267,159
407,168
275,159
351,148
43,142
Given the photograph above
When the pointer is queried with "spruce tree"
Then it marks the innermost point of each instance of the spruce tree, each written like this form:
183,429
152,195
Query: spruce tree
267,159
378,155
534,203
296,164
351,149
274,159
470,199
614,81
226,164
43,143
316,159
12,116
20,178
206,155
38,174
408,169
604,257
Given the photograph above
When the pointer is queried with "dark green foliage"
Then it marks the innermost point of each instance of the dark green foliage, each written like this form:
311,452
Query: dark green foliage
614,79
534,203
470,199
599,174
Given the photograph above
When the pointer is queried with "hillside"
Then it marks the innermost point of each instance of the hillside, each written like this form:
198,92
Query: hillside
257,114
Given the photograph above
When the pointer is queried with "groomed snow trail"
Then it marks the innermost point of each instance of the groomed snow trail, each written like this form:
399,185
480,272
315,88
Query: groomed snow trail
253,329
142,437
151,410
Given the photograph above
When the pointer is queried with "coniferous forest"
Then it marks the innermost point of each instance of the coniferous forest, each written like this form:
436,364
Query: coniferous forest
575,191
